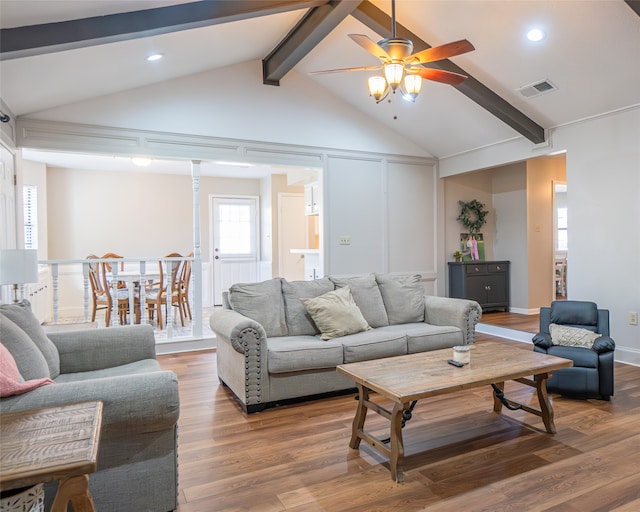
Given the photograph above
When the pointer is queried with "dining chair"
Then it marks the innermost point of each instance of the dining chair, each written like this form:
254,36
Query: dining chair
185,281
156,295
101,293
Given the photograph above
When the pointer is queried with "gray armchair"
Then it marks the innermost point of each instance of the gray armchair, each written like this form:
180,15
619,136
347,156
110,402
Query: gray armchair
137,460
592,373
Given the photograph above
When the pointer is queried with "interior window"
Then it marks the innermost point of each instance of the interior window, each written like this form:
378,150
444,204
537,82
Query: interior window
561,222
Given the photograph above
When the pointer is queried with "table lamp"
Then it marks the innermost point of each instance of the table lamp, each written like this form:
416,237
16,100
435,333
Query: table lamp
17,267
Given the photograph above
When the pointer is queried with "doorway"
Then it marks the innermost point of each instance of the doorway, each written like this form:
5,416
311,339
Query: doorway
292,234
560,240
234,242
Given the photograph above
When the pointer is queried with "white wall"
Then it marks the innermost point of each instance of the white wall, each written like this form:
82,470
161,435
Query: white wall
233,103
135,215
510,236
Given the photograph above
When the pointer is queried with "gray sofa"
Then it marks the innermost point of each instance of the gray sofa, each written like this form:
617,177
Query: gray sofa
137,459
270,350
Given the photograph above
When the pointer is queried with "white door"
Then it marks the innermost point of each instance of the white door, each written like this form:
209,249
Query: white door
234,222
292,234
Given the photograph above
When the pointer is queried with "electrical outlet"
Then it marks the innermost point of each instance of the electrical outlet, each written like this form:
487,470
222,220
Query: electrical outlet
633,318
345,240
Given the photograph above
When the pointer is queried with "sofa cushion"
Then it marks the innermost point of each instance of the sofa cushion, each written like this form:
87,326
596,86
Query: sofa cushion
299,321
29,360
20,313
422,337
336,314
366,294
403,298
373,344
572,336
297,353
581,358
261,302
11,382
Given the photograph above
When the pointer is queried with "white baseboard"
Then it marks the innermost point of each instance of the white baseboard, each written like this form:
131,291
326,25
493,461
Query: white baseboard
523,311
185,345
503,332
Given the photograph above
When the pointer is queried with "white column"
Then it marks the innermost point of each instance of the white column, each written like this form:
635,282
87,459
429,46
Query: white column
196,267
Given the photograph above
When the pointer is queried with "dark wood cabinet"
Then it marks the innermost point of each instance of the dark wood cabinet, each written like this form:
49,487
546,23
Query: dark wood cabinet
486,282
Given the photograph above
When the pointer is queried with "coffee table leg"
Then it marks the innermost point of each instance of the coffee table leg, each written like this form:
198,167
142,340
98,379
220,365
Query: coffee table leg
76,490
497,403
361,415
397,444
546,408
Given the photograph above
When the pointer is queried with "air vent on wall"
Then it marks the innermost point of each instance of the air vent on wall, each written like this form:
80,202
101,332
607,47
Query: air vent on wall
537,88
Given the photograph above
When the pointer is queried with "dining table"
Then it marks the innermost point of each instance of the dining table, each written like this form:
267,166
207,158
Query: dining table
133,280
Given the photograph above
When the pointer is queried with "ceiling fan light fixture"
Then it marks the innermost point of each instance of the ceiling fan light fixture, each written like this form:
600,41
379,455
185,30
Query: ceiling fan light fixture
378,87
394,72
412,86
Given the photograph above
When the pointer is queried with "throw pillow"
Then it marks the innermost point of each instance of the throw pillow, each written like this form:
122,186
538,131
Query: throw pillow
30,361
261,302
336,314
24,318
366,294
403,298
572,336
11,382
299,322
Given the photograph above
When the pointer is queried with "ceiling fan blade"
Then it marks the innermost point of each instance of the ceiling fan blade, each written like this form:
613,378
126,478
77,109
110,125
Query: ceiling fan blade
441,52
446,77
364,68
373,48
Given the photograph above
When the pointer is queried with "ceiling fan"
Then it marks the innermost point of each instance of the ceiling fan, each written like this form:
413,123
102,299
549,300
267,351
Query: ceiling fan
403,69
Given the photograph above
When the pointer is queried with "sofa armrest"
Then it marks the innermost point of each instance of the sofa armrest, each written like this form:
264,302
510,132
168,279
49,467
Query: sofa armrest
95,349
542,340
604,344
461,313
142,402
238,329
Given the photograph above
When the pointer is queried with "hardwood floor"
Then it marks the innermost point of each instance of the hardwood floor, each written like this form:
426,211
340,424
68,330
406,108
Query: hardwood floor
527,323
459,455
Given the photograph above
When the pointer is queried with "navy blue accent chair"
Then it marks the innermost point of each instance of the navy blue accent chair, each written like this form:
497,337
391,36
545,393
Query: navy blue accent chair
592,373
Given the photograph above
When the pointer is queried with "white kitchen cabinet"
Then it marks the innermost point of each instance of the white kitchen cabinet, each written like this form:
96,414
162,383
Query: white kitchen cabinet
312,198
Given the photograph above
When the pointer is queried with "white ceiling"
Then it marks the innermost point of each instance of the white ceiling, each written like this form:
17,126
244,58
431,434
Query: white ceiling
590,53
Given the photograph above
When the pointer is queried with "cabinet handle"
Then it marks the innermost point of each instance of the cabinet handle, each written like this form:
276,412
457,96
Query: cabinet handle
498,267
487,288
476,269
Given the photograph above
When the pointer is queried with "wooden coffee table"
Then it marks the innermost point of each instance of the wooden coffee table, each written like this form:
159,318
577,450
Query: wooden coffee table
53,443
409,378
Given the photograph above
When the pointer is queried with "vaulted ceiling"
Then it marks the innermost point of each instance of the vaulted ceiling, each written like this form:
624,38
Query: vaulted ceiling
57,52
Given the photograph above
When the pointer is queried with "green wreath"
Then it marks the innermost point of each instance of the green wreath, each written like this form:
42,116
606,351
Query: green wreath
472,216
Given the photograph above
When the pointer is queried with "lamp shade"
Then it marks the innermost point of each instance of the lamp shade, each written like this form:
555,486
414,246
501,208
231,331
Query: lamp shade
18,266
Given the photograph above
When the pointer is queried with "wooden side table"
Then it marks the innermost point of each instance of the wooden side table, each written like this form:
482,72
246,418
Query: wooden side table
53,443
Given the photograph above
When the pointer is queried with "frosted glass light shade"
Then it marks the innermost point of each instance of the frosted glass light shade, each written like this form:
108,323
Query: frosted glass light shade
393,73
412,86
377,86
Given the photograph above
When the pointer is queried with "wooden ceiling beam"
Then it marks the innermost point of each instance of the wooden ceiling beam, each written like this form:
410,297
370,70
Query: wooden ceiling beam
304,37
66,35
379,22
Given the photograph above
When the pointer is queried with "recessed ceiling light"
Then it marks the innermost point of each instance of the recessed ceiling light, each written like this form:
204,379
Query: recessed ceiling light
155,56
141,161
536,34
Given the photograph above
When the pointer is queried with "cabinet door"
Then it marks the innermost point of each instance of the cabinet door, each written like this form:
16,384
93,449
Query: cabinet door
496,289
476,288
